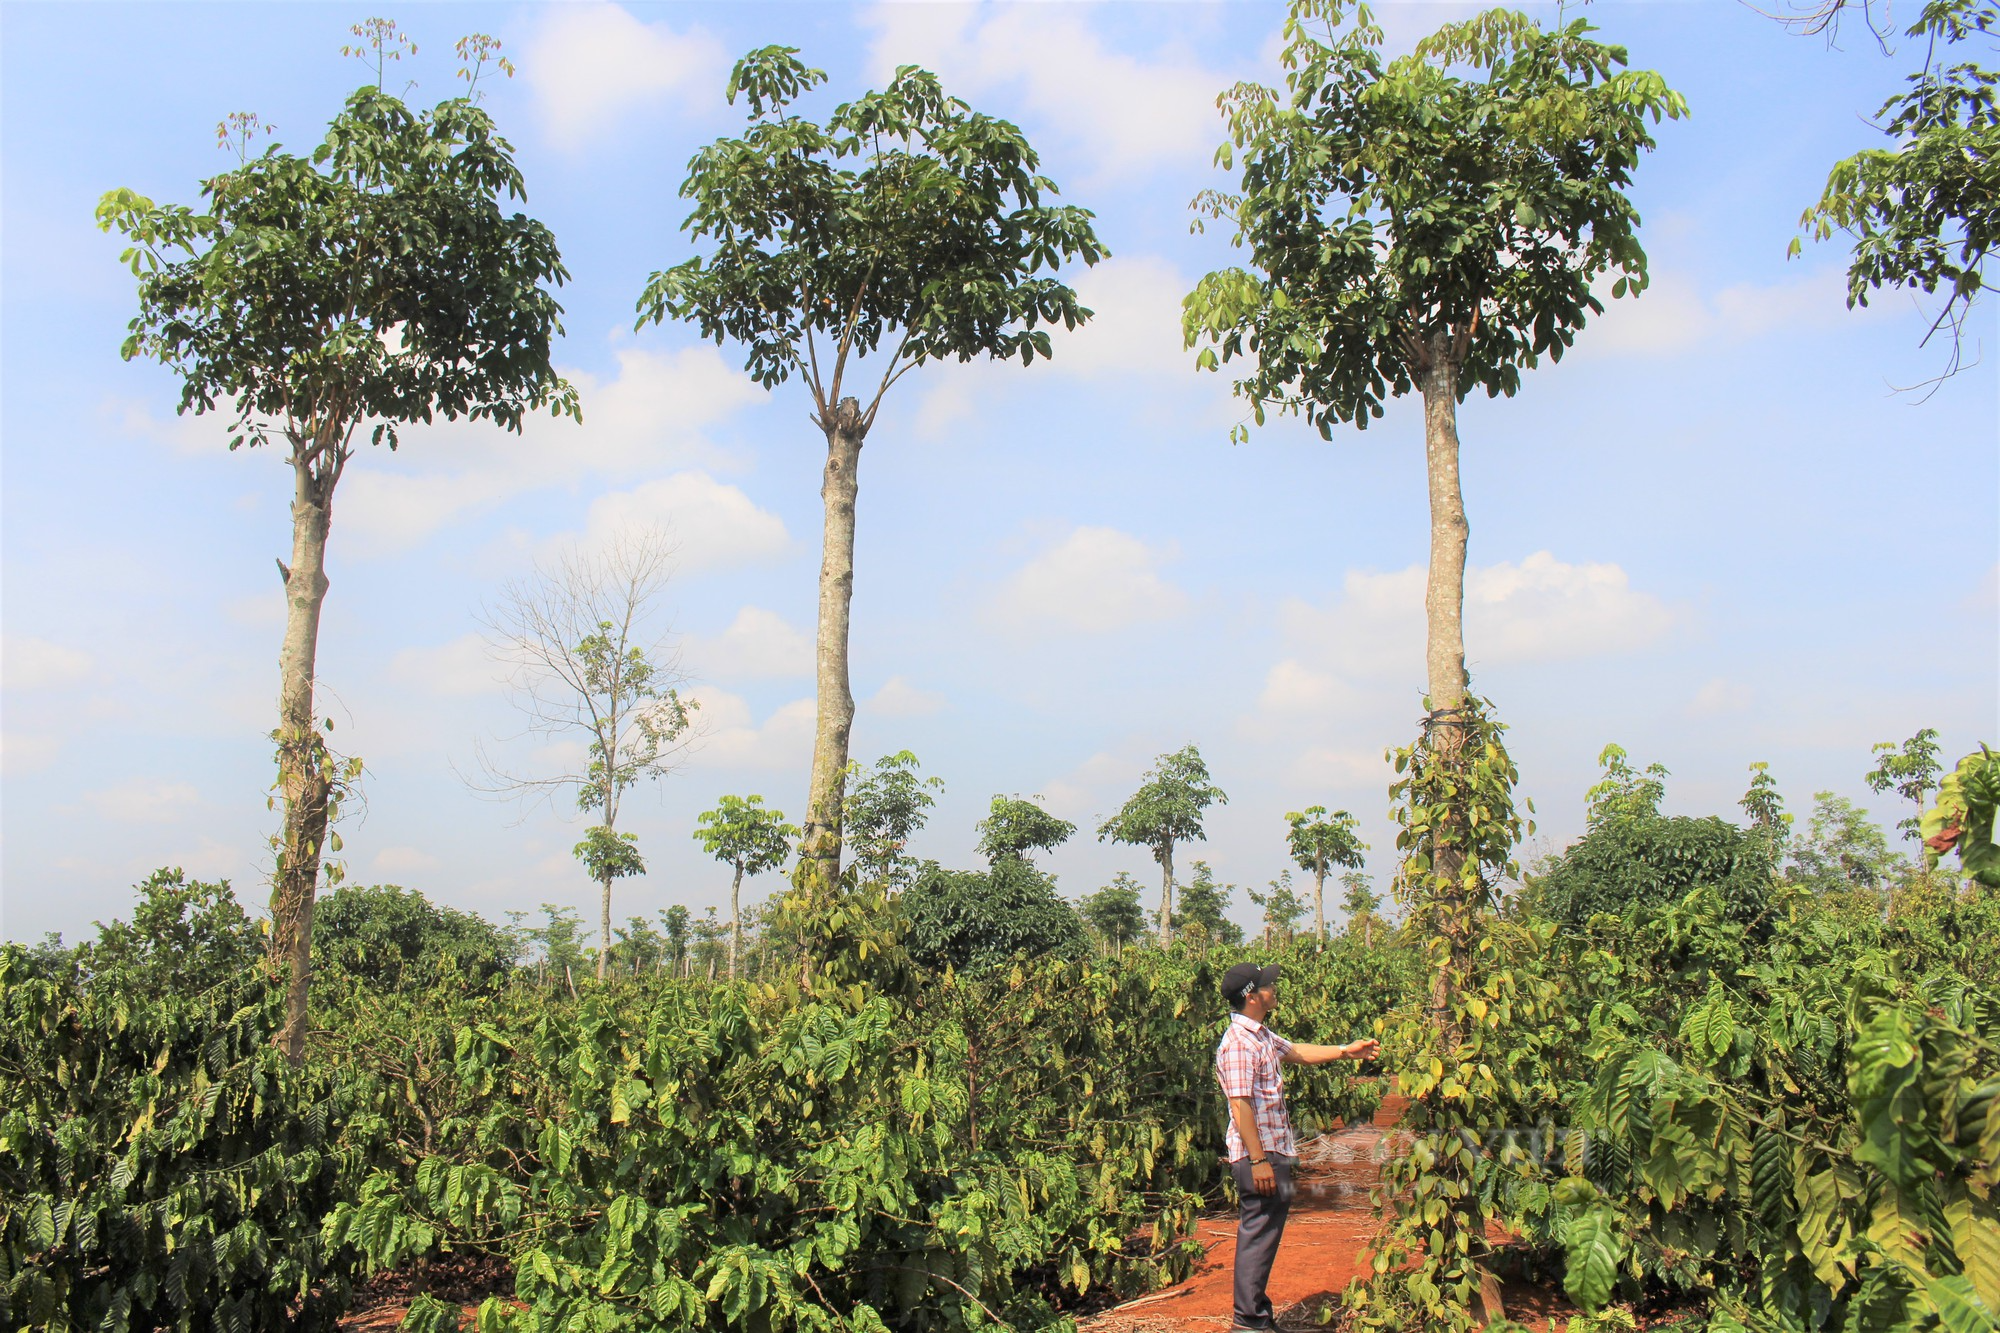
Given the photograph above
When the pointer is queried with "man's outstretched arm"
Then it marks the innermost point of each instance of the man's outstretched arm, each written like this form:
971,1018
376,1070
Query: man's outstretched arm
1303,1053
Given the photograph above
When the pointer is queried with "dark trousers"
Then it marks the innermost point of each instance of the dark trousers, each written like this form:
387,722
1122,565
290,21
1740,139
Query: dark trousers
1257,1231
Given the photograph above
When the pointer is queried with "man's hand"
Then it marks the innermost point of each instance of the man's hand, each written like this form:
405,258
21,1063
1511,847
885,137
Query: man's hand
1304,1054
1262,1178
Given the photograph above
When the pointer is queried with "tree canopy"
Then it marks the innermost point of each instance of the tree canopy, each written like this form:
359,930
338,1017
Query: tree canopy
1400,211
1014,828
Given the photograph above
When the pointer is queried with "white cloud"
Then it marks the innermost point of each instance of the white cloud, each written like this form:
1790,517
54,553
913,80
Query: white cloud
21,755
1135,323
1094,580
187,435
1134,331
712,525
144,801
899,698
654,414
402,861
1720,696
1096,786
732,738
1674,315
1127,112
463,666
1293,689
758,644
1324,766
591,64
1542,609
28,663
210,859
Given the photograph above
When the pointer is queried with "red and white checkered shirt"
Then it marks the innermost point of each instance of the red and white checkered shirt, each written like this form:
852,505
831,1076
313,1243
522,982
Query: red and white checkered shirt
1250,1063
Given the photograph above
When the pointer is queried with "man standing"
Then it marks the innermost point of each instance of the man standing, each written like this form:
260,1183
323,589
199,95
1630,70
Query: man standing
1262,1148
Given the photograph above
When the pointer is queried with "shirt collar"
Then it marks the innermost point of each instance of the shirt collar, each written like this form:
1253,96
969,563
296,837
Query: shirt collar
1246,1021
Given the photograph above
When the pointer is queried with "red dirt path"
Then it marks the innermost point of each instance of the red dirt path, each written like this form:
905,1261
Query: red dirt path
1325,1247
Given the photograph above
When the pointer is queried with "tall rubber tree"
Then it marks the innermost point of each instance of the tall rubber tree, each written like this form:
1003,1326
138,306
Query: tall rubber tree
1432,224
1319,842
908,228
1166,810
750,839
373,283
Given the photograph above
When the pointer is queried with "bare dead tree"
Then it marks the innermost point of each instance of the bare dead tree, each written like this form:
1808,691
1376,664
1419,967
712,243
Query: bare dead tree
584,663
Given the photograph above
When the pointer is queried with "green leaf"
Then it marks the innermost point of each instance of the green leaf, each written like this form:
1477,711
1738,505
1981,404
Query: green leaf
1592,1250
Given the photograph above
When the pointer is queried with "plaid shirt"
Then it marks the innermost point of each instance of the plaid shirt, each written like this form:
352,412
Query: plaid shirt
1249,1063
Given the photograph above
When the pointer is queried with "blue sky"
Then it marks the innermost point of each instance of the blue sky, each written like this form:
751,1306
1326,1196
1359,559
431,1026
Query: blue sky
1714,534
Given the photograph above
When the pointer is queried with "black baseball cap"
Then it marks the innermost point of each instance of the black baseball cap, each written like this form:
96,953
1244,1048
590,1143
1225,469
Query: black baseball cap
1244,976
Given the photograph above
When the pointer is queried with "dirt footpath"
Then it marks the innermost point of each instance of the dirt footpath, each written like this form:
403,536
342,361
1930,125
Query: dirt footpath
1324,1248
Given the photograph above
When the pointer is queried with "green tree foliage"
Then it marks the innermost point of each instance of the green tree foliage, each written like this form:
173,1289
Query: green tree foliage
884,810
676,925
1770,823
1017,828
750,840
1656,860
1842,849
556,945
1624,792
1166,811
640,948
390,938
1204,910
1114,912
1361,904
184,935
974,919
1282,910
1320,844
375,282
1924,213
1911,771
908,227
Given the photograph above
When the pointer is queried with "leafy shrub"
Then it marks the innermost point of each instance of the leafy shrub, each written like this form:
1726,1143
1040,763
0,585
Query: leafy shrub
390,938
1653,860
961,918
161,1165
182,936
932,1155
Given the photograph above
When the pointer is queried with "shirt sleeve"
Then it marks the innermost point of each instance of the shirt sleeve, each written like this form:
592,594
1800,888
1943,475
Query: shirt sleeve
1235,1069
1278,1043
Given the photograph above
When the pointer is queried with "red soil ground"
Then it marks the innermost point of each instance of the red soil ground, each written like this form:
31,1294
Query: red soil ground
1324,1248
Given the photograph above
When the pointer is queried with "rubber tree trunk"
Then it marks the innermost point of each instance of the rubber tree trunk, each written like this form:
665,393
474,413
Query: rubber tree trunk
1444,620
303,778
735,920
819,844
1167,895
1319,902
604,927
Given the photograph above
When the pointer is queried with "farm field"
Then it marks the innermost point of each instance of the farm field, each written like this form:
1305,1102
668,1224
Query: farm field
1462,538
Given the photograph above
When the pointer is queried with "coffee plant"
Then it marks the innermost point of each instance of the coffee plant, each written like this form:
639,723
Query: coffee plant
162,1166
